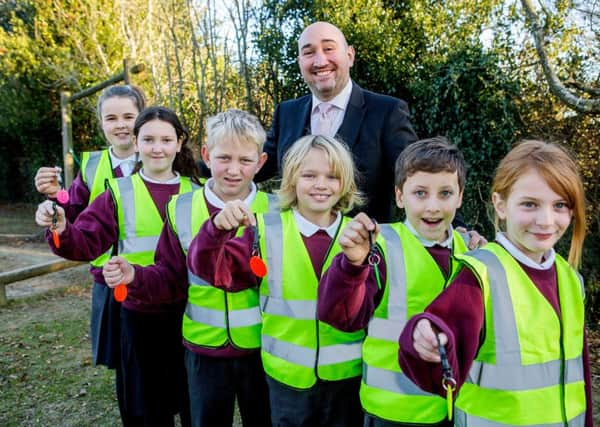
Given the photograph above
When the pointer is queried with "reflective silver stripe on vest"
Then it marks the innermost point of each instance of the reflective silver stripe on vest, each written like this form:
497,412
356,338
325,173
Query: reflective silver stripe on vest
525,377
303,310
395,382
274,254
385,329
508,359
293,353
216,318
462,419
330,354
183,209
196,281
396,272
131,243
273,203
91,168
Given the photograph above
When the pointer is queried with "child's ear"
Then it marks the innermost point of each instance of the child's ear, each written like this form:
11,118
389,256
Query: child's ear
460,197
499,205
205,155
262,158
399,197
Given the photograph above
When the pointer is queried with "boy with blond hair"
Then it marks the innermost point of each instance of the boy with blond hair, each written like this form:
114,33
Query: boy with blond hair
221,330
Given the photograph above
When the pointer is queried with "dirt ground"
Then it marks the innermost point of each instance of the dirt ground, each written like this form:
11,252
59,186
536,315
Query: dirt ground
22,244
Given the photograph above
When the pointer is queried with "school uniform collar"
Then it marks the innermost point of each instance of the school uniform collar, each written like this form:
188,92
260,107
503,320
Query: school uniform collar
129,161
175,180
307,228
430,243
548,257
340,101
214,200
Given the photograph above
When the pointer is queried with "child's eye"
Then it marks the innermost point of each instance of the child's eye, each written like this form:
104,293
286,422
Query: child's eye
446,193
247,161
308,175
420,193
561,205
528,204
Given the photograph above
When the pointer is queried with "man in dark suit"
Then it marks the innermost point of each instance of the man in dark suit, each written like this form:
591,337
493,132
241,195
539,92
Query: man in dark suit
375,127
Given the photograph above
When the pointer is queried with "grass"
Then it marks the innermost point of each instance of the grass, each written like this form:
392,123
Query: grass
46,373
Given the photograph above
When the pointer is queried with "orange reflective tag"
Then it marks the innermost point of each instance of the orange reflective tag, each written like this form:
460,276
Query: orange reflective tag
55,239
120,292
258,266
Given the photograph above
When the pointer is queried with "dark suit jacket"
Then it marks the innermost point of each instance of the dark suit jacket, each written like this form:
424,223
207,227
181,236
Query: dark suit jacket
376,128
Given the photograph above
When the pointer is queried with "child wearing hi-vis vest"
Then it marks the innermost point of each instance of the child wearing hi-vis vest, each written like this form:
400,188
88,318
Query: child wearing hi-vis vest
221,330
128,216
512,320
380,286
117,108
313,370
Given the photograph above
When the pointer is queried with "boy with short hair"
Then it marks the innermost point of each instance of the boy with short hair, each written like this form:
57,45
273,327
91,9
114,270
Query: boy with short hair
416,264
221,330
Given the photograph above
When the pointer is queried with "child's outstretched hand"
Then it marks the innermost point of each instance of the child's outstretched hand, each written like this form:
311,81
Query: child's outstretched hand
118,271
46,180
45,213
354,238
235,214
425,341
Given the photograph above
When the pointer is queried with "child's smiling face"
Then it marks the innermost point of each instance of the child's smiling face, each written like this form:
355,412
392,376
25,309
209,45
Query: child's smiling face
318,189
118,114
430,201
535,216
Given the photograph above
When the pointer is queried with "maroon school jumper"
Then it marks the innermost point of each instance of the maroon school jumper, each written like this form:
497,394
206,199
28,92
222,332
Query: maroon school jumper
218,258
349,295
79,199
96,229
459,313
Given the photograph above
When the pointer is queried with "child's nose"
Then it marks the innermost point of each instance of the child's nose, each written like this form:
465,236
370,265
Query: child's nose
545,215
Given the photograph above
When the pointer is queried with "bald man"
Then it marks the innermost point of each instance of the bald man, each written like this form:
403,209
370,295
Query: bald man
375,127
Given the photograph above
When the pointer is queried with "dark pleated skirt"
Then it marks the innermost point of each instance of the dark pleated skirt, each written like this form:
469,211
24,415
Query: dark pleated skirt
152,357
105,331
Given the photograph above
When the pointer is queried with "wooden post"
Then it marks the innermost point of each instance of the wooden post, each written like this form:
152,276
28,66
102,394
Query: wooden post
32,271
67,138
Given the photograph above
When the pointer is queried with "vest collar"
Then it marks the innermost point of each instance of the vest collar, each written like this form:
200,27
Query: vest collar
307,228
214,200
175,180
549,256
429,243
115,161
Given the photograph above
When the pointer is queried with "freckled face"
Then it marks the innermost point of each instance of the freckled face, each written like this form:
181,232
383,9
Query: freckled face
536,217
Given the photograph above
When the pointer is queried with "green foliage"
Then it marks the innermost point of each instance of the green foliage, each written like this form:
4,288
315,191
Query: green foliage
467,98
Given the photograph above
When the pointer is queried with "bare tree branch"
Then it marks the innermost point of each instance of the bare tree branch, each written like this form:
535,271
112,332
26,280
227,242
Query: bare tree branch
582,105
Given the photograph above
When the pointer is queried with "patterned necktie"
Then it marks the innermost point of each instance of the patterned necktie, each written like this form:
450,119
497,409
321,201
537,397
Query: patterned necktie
323,122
